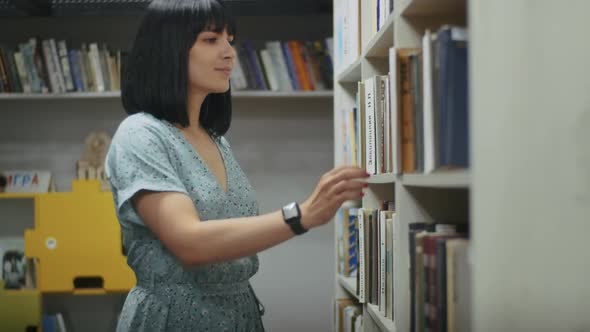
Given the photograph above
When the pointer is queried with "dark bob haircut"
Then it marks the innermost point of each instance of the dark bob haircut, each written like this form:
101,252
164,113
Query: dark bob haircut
156,75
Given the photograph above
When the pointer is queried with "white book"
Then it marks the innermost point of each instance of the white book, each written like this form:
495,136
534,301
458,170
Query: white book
269,69
60,322
58,68
94,57
83,69
65,65
330,44
238,79
22,72
361,255
360,123
389,265
51,70
371,149
103,54
428,103
382,260
381,13
358,323
395,118
281,70
380,122
387,127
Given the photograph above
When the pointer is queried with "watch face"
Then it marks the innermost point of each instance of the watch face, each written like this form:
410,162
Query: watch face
290,211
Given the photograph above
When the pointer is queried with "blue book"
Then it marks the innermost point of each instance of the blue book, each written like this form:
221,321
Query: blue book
453,97
76,70
49,323
290,66
255,65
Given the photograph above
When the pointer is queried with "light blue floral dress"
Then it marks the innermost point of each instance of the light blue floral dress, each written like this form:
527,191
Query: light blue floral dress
151,154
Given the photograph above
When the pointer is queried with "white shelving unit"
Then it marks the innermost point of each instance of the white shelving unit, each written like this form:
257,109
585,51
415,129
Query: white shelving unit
418,197
528,119
349,284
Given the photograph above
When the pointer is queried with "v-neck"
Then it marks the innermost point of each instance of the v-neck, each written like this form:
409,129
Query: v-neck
205,165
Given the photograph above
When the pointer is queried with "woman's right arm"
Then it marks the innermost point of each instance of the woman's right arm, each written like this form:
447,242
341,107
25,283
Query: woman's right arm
172,217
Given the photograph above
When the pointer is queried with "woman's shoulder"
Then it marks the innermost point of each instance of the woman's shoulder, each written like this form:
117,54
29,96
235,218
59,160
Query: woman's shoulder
139,127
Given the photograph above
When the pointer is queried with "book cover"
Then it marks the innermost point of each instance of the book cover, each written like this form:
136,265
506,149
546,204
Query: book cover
25,181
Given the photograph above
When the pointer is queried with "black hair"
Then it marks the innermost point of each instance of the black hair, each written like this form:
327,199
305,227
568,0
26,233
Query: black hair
155,77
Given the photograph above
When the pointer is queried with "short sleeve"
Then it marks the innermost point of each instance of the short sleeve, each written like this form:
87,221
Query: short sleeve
138,160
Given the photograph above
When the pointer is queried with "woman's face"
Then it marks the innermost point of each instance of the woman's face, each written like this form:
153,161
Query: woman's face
211,60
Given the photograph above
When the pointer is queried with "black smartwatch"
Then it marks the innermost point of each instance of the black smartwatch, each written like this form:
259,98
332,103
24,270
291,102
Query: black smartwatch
292,216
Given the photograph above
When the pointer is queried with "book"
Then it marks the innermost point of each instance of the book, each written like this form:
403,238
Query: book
453,101
26,181
458,286
14,262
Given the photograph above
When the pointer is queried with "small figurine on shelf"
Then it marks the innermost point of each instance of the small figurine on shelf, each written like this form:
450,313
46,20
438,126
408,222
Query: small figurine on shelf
91,165
13,269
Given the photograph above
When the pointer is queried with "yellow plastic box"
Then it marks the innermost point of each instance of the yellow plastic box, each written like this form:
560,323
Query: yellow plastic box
77,239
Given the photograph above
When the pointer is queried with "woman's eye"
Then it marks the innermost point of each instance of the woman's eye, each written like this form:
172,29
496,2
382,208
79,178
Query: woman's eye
211,40
232,42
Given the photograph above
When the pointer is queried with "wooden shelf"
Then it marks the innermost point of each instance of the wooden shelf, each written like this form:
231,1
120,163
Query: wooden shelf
382,178
385,324
429,8
351,74
349,283
117,94
379,45
440,179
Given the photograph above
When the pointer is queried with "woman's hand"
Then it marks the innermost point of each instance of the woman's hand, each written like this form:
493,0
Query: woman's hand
335,187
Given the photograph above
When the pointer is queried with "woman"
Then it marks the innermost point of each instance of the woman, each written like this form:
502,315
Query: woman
188,214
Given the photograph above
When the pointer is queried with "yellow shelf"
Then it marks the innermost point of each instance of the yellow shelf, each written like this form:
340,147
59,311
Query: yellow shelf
77,235
19,309
18,195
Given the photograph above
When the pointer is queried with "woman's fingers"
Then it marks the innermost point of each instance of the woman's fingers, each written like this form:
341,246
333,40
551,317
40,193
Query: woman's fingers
345,186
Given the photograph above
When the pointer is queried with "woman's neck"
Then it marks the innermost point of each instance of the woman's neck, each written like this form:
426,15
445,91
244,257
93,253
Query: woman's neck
194,103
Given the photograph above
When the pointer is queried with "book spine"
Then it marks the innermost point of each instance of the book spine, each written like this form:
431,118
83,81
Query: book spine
57,65
370,166
361,256
22,72
94,57
65,65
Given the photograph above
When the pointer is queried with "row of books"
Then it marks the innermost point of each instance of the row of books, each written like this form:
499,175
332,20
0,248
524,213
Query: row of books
440,278
348,315
347,19
416,118
50,66
368,249
284,66
439,268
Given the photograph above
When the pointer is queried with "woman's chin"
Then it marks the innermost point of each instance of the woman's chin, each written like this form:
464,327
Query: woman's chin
220,89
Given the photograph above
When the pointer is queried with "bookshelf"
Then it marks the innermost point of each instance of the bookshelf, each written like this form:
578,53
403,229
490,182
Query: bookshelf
116,95
420,197
524,221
